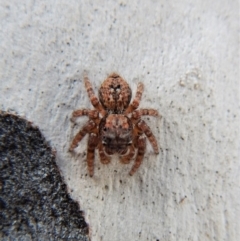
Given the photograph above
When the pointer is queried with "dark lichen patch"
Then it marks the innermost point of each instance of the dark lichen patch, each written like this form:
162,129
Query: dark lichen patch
34,203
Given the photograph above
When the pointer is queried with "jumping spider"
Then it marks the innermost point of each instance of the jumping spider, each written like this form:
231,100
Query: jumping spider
115,125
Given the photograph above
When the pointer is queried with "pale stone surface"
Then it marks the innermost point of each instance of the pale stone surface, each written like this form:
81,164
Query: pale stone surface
187,55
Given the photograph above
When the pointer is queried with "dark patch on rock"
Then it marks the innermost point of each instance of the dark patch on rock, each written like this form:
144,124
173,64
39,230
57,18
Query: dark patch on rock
34,203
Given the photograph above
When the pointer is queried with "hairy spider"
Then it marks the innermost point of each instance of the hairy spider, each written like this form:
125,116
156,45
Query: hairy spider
115,125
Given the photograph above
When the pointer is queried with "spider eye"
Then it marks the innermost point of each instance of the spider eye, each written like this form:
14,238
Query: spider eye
104,128
118,87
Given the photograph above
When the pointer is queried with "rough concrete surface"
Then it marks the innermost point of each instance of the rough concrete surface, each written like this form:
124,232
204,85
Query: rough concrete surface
187,55
34,202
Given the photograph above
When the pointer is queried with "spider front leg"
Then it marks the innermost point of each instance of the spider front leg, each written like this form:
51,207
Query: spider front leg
92,144
141,143
92,114
134,105
147,131
86,129
138,113
93,98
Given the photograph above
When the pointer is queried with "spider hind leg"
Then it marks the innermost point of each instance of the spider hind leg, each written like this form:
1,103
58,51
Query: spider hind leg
141,150
147,131
86,129
92,144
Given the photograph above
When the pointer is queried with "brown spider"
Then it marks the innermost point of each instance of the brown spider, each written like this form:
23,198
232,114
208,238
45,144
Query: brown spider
115,126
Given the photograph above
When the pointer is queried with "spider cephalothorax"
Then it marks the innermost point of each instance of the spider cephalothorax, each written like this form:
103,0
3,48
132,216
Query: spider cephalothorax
115,94
115,125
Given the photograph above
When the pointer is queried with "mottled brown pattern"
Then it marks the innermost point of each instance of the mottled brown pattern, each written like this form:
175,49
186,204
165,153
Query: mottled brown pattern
115,94
115,131
115,125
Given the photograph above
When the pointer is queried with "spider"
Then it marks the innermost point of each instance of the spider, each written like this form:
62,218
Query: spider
115,125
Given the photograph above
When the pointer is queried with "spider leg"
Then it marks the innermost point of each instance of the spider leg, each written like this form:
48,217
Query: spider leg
92,144
93,98
138,113
141,142
92,114
147,131
103,157
136,101
86,129
125,159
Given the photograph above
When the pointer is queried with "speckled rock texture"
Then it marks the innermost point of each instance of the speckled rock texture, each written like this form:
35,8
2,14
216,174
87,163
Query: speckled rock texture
186,53
34,202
